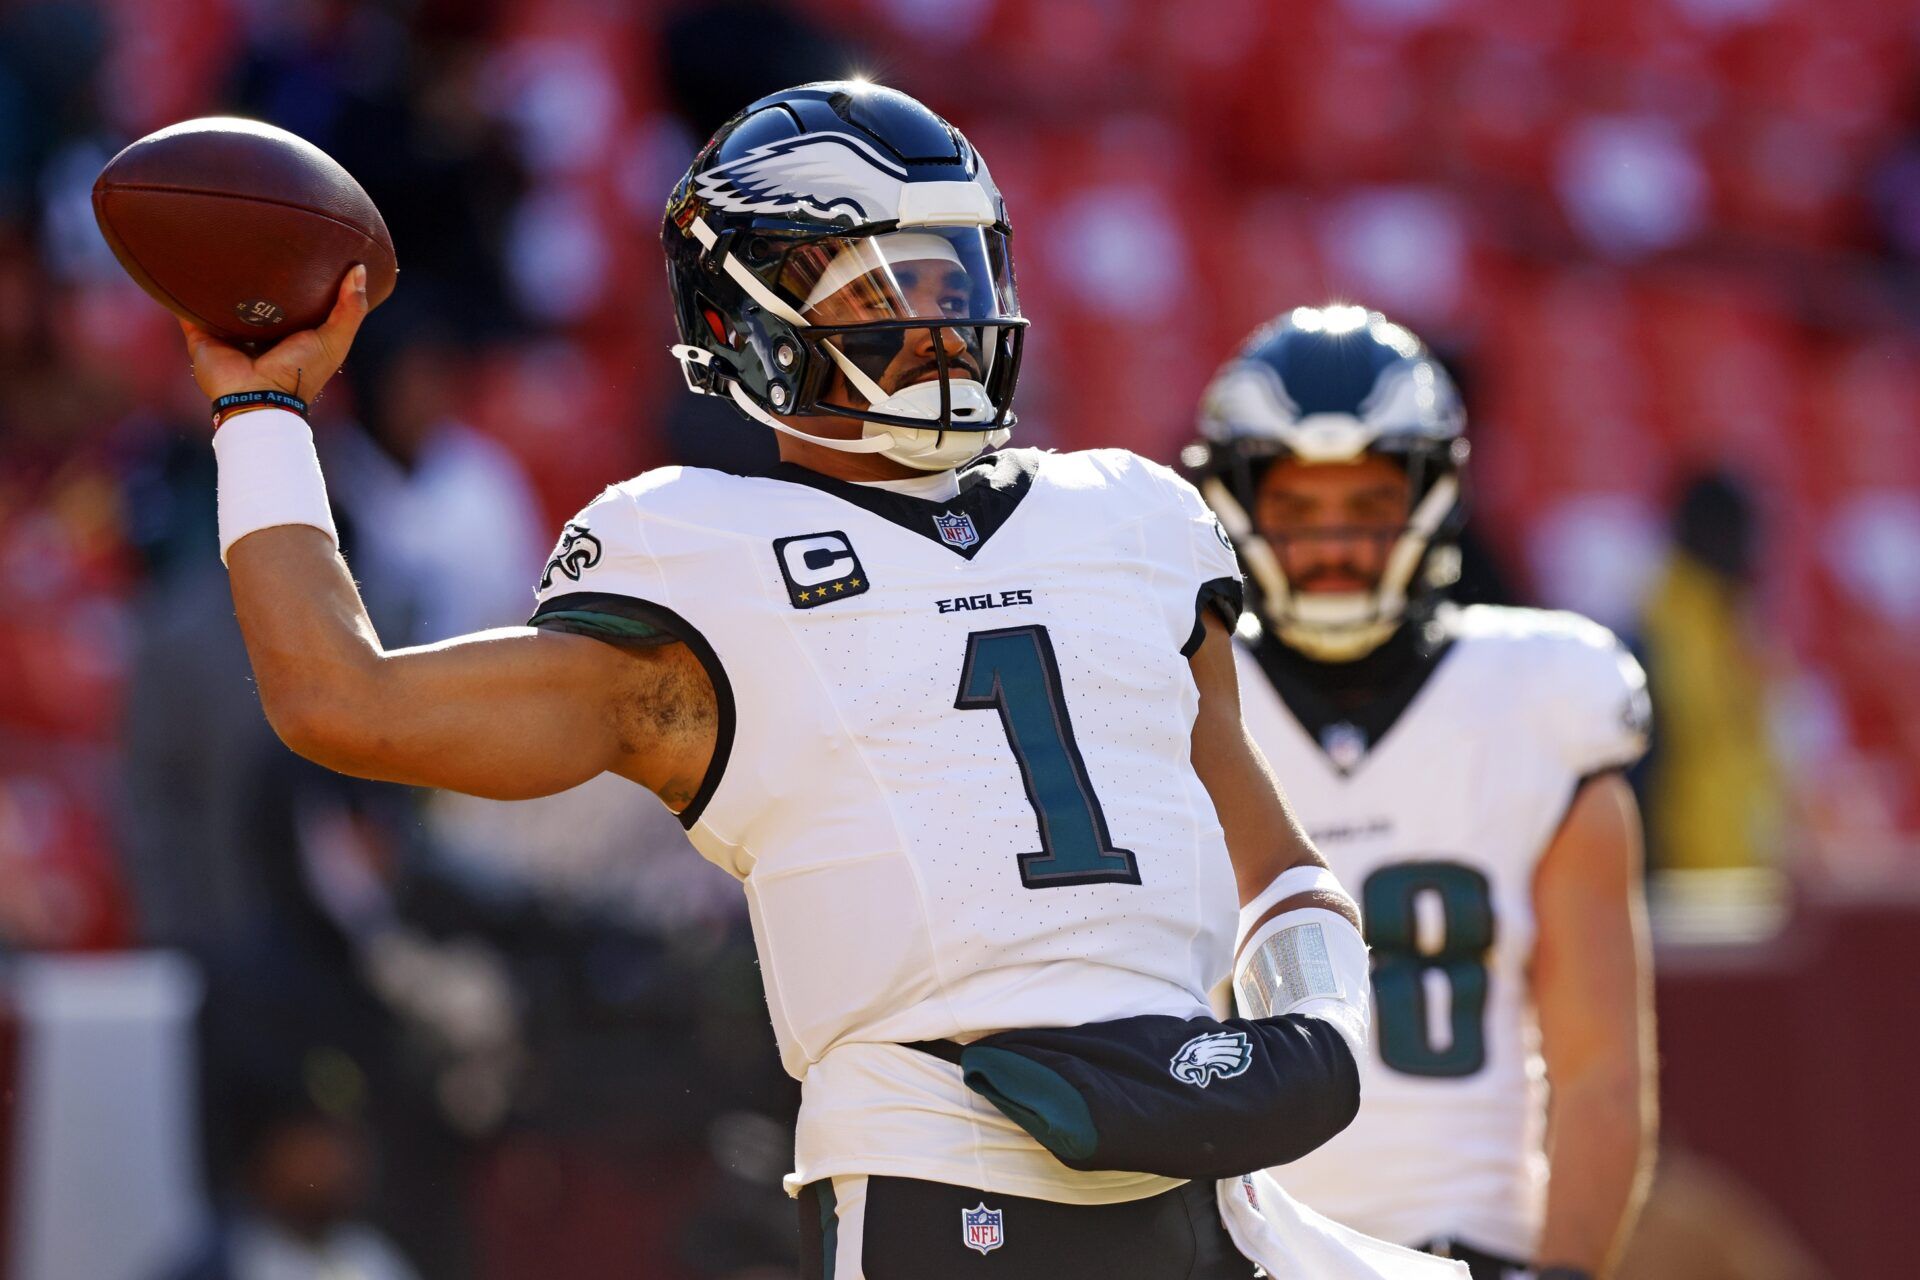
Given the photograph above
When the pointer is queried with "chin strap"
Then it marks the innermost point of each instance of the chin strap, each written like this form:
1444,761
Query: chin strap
913,451
861,444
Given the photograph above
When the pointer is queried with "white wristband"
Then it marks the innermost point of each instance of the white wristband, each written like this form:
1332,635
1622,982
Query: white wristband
1294,880
269,475
1309,961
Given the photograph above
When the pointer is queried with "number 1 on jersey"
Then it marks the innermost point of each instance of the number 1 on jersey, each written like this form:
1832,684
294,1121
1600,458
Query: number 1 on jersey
1013,671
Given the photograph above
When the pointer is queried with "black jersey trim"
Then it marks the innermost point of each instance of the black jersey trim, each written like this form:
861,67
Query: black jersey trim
1227,597
628,621
1378,688
612,627
1604,771
991,488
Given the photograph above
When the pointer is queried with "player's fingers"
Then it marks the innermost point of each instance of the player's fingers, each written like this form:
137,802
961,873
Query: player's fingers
200,344
349,309
353,293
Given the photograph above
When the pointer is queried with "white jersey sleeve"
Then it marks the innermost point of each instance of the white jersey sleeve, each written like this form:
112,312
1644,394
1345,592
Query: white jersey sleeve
1217,580
599,570
631,566
1595,697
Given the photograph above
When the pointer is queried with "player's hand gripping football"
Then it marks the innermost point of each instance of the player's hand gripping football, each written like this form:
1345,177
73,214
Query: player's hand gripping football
299,364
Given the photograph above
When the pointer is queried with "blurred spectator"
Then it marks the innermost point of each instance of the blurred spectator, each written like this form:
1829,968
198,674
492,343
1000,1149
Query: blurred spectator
298,1215
1713,784
50,54
447,537
719,55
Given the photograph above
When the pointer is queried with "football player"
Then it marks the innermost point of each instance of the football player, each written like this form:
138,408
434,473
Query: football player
963,724
1463,768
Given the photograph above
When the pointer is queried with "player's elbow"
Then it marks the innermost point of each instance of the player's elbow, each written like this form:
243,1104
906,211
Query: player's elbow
307,727
321,722
1325,1076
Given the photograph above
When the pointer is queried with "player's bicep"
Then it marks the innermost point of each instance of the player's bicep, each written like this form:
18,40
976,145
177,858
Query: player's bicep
1590,965
517,712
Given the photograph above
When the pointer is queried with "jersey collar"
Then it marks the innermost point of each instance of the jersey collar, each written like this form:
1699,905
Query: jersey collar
1347,708
991,487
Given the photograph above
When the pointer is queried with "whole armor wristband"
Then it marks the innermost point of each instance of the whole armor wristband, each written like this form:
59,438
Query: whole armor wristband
247,401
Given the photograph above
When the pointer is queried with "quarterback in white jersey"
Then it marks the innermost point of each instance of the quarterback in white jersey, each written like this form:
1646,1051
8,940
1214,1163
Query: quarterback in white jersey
965,727
1461,768
892,899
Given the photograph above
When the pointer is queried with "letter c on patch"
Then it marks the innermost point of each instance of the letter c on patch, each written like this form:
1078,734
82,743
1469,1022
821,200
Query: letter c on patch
821,558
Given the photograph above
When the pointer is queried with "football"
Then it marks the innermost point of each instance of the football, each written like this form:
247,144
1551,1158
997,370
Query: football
240,227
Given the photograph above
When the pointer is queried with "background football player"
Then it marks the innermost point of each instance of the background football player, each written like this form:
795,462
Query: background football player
965,728
1462,767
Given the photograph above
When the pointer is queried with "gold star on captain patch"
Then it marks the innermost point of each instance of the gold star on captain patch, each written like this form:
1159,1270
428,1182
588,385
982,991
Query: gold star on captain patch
854,583
839,586
806,595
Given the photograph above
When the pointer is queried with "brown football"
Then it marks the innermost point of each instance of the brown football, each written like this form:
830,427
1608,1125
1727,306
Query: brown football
243,228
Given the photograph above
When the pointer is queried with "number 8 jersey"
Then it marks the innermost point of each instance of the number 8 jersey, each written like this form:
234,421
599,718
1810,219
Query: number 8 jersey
1437,827
953,770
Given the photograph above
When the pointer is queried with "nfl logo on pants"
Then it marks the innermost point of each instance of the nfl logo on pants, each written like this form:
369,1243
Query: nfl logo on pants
980,1228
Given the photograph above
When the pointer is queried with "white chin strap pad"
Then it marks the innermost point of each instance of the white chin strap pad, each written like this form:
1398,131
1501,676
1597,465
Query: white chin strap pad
923,448
929,449
969,400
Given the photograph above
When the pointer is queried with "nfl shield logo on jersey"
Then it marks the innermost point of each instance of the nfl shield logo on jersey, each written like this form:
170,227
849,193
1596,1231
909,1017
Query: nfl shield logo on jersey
980,1228
956,530
1344,744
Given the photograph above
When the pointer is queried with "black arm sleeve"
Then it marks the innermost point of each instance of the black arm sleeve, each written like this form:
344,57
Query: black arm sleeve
1178,1097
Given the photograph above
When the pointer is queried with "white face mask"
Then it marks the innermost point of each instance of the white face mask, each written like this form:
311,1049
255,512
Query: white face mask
1337,626
922,448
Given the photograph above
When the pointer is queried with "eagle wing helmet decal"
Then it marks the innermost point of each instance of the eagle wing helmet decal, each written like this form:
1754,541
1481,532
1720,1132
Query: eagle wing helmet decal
834,177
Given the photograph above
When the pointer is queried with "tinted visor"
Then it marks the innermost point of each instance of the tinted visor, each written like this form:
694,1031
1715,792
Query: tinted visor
931,273
860,289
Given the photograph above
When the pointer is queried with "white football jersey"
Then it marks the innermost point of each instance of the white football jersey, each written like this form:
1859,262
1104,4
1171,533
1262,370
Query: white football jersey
953,771
1436,829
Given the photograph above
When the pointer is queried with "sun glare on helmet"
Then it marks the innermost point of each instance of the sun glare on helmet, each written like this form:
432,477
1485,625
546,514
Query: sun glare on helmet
1334,321
1390,334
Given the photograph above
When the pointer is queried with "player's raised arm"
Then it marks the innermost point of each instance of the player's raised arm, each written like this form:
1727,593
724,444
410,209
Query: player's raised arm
506,714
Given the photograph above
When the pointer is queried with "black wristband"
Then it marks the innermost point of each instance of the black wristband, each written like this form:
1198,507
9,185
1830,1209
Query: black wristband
1563,1273
251,399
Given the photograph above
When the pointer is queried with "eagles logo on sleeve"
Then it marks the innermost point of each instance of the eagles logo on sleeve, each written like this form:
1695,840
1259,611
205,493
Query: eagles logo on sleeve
1219,1055
577,551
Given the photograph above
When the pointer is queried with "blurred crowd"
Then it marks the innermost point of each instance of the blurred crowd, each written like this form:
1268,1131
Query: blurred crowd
1671,248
